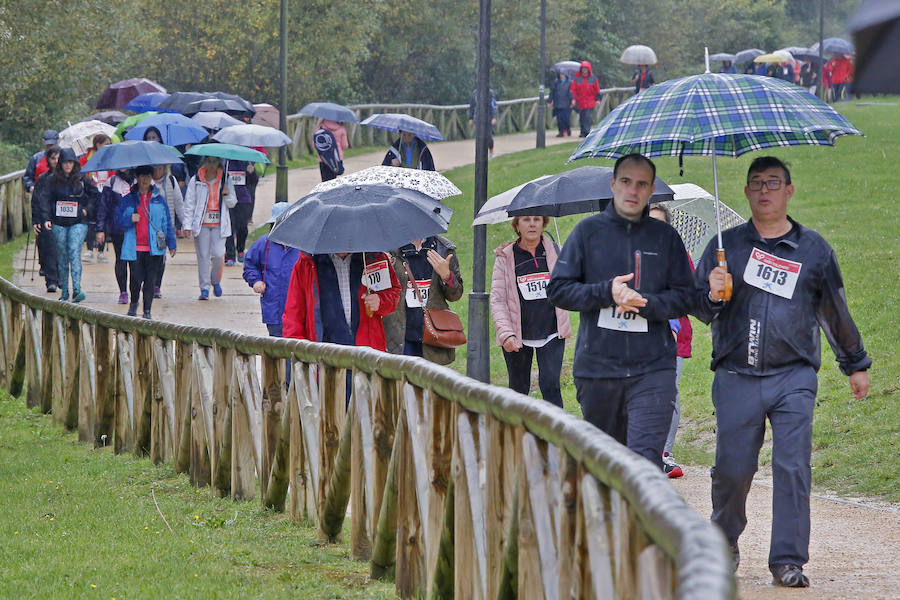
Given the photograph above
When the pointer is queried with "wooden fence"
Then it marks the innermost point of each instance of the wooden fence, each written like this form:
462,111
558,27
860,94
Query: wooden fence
455,488
15,206
513,116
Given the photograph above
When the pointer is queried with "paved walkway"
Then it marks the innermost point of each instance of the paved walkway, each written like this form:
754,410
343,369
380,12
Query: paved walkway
238,308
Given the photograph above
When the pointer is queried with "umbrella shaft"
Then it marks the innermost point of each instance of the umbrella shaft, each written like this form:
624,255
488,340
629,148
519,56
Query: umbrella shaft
716,189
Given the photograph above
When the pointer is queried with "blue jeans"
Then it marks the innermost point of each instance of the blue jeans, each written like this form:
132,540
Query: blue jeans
68,254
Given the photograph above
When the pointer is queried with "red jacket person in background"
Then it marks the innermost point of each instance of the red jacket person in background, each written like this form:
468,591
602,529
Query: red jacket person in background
585,88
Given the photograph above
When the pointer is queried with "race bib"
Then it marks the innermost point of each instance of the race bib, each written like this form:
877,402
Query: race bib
534,285
412,300
212,217
67,209
772,274
377,276
629,322
238,177
100,179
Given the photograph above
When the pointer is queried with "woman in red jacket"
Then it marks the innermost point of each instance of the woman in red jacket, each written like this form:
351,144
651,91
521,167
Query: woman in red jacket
585,88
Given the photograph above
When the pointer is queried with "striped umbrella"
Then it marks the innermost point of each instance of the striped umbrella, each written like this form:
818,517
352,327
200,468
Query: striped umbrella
715,114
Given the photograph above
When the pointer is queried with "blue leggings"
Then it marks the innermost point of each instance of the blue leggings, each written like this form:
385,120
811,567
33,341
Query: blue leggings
68,254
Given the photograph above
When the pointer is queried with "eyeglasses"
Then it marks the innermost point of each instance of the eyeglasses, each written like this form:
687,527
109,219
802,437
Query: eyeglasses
757,184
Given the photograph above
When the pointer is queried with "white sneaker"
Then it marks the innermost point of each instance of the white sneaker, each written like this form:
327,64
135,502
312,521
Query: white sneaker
88,256
101,257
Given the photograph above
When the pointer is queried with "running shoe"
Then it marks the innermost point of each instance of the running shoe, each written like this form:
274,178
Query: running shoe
64,295
240,257
147,315
123,298
204,295
132,310
78,297
789,576
217,289
157,293
671,468
101,258
229,263
51,288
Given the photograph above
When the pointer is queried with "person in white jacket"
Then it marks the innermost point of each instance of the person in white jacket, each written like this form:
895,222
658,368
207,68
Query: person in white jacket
207,196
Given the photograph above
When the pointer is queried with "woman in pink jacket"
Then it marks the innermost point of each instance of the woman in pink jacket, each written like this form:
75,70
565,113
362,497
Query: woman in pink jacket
525,320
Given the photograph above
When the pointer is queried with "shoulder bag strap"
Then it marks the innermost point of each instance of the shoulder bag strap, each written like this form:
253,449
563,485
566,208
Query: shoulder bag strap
415,284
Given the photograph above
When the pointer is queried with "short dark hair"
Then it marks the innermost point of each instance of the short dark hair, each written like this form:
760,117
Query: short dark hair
144,170
664,210
638,158
764,163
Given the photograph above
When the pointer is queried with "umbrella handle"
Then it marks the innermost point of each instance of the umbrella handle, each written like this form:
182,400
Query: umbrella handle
729,283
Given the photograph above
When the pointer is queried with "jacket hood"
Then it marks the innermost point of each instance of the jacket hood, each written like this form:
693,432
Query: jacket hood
587,64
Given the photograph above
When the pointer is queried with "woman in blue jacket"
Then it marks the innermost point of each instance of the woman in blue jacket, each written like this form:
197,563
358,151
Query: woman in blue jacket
144,217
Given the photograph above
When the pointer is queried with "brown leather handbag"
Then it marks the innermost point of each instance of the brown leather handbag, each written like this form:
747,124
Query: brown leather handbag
443,327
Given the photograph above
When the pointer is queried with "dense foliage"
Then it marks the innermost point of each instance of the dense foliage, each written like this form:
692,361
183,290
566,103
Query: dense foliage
57,56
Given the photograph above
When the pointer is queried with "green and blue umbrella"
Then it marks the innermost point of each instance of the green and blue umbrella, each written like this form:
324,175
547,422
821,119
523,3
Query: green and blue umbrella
229,152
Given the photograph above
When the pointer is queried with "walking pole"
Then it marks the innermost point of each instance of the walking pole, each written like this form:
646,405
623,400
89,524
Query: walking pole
27,243
34,255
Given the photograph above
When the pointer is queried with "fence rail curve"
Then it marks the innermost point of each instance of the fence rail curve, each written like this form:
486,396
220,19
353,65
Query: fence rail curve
513,116
455,488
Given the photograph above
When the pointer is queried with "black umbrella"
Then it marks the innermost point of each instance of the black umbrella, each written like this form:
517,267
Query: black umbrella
179,100
362,218
225,105
581,190
876,32
110,117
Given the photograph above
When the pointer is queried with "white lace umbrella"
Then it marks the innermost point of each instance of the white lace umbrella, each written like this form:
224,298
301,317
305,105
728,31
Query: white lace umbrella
693,213
430,183
80,136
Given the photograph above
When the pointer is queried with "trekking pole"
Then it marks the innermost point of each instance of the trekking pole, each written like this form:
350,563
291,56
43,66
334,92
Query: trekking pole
27,244
34,255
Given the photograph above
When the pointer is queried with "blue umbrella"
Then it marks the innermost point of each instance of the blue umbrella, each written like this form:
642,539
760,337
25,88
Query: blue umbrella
398,122
175,129
146,102
330,111
127,155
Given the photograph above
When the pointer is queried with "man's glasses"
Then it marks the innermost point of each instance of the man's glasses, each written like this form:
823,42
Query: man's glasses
772,184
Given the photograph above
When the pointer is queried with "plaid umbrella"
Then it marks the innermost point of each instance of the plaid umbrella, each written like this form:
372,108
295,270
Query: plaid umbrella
718,114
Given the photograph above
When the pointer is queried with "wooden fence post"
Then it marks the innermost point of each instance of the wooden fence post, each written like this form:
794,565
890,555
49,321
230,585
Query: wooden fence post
162,440
201,417
106,368
303,500
469,518
184,371
272,410
72,374
412,500
246,428
125,404
362,470
48,358
500,481
87,393
143,393
332,402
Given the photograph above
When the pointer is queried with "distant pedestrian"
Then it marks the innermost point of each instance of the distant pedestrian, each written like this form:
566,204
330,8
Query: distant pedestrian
330,139
410,152
206,218
50,139
165,182
95,249
46,245
108,230
144,217
560,100
473,110
642,78
242,174
72,198
727,67
585,91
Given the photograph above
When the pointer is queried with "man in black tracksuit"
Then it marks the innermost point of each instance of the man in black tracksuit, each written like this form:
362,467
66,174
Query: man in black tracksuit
786,285
625,272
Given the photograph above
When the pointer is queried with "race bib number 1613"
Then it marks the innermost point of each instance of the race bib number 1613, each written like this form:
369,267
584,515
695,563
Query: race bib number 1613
772,274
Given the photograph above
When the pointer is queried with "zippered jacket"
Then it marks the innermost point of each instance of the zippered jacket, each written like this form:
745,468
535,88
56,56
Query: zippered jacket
605,246
160,220
760,332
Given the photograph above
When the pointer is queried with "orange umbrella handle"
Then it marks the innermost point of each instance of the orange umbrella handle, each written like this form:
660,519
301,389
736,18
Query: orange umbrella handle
729,284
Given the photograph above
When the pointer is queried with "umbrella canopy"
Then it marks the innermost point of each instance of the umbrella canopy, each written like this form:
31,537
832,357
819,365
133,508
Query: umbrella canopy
248,134
214,105
122,92
569,67
266,114
715,113
834,46
494,210
772,57
723,56
638,55
399,122
179,100
215,120
146,102
581,190
876,32
357,219
80,136
793,50
747,55
229,152
110,117
693,211
131,121
430,183
330,111
246,105
131,154
175,129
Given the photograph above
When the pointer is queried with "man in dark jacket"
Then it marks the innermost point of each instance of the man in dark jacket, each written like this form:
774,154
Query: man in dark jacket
786,285
560,101
627,274
473,105
410,152
51,138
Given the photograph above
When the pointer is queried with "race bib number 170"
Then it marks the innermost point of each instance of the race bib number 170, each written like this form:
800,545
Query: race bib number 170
377,276
772,274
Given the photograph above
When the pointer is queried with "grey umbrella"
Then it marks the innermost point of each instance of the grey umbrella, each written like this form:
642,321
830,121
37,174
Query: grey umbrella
722,56
362,218
748,55
638,55
876,31
252,135
330,111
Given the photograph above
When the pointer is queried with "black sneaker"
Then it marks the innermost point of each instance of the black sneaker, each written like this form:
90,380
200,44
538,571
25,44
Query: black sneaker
789,576
735,556
147,315
132,310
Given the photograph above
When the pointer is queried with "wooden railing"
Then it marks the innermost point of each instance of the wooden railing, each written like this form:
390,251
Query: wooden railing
15,206
513,116
455,488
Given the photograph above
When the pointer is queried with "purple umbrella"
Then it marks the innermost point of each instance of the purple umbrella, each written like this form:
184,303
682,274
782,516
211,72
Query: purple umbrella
122,92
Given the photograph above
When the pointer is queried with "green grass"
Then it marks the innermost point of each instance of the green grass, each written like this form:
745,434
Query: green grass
844,192
82,523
